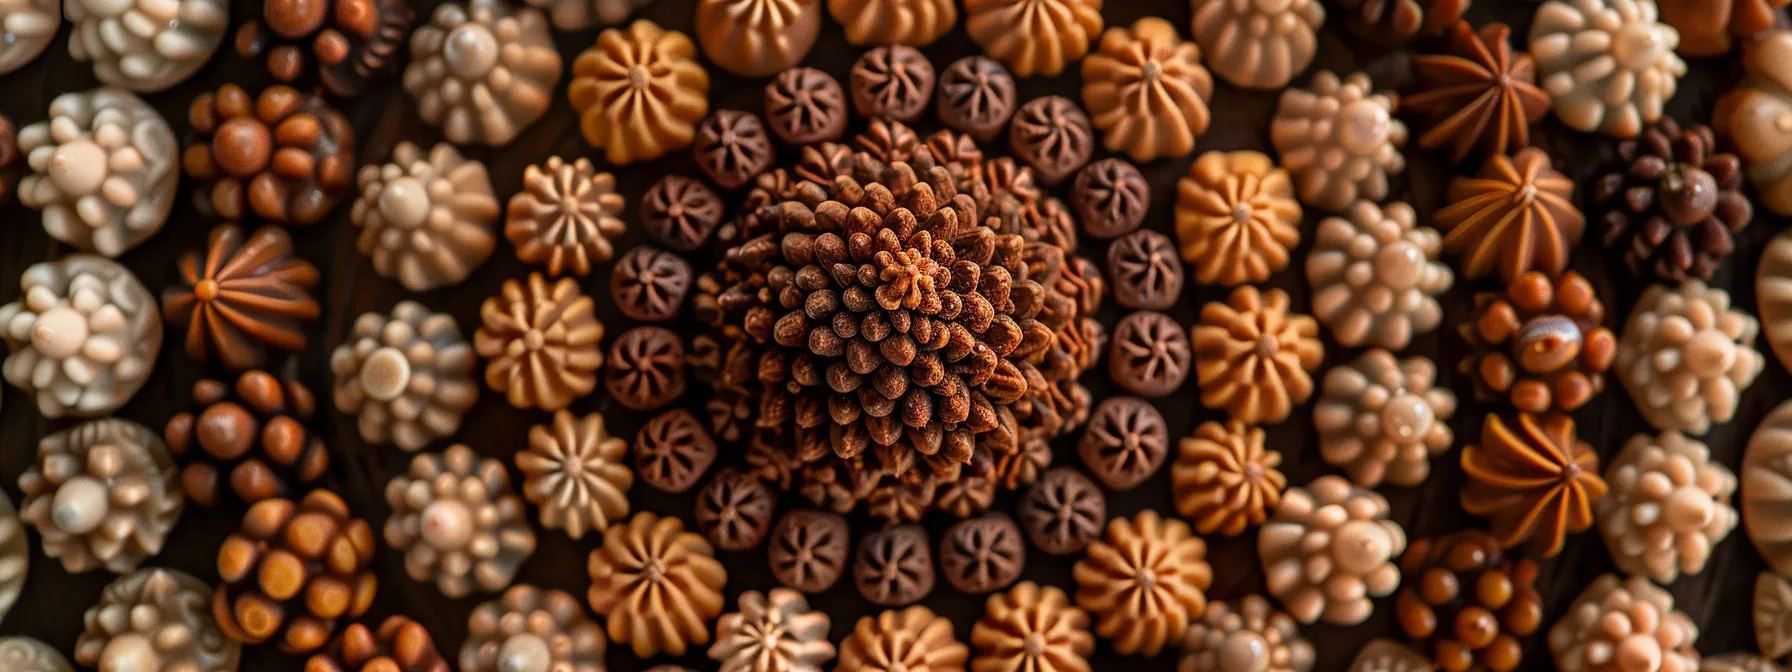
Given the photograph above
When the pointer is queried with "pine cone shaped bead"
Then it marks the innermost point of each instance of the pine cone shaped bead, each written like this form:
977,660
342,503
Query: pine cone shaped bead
426,220
1533,479
1330,549
658,585
153,619
1147,91
242,296
1145,581
284,156
1376,277
1236,217
1032,627
735,510
457,522
102,494
1477,95
1687,355
566,217
1339,139
915,23
639,92
1675,204
1516,215
805,105
483,70
1244,636
1379,418
1258,45
808,550
1396,22
774,631
530,628
1254,357
1669,506
1540,344
1225,480
399,645
1609,65
249,442
294,570
1467,603
1627,625
541,343
573,471
1714,27
408,377
912,639
345,44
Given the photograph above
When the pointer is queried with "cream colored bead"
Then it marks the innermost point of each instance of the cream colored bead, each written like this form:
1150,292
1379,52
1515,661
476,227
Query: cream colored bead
426,220
146,45
26,28
483,70
457,522
1668,506
1330,549
103,494
1624,626
155,619
1686,356
408,376
103,170
1339,139
1608,65
84,337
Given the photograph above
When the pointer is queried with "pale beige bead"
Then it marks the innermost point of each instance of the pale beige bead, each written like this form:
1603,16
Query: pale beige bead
1608,65
581,14
1258,44
1625,625
1668,506
84,336
103,494
483,70
457,522
1376,277
1247,636
15,556
103,170
1386,655
1383,419
146,45
26,28
1686,356
1329,549
408,376
24,654
532,629
1339,139
426,220
573,471
772,631
155,619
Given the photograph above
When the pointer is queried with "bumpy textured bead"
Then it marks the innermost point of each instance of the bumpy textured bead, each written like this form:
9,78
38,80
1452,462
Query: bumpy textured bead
26,29
345,44
1249,635
103,170
15,556
483,70
1686,356
155,619
1376,277
84,336
530,628
1750,117
426,220
408,377
399,645
1609,65
1379,418
456,521
1329,550
1339,139
103,494
1669,506
249,441
284,156
294,572
1624,626
145,45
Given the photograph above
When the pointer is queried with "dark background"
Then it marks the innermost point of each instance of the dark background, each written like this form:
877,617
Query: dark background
53,601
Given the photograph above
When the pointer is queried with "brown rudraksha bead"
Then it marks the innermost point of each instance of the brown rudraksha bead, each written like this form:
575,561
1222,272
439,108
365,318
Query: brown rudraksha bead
249,442
1468,603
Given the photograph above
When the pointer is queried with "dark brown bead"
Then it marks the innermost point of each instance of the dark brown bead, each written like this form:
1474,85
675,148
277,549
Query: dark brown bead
673,450
807,550
1396,22
1111,198
1063,512
892,82
348,43
983,555
681,212
1465,601
12,164
735,510
1125,443
976,96
1673,203
894,566
645,369
1145,271
1150,354
283,156
249,442
732,148
805,105
649,284
1053,135
400,645
293,571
